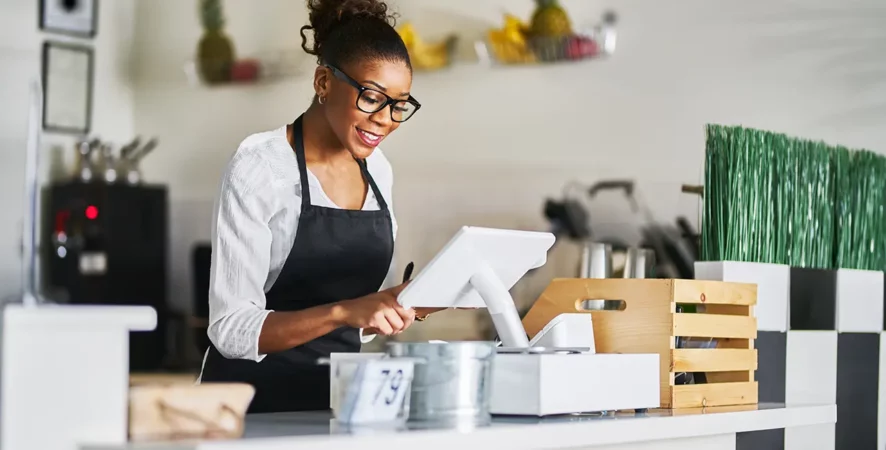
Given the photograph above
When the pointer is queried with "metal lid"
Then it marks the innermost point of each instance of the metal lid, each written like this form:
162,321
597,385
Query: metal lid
543,350
462,349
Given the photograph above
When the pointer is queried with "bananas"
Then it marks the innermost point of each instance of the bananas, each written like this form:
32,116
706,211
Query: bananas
510,44
426,56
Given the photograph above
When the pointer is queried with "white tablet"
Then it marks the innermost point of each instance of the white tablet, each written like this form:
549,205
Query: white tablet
445,281
480,259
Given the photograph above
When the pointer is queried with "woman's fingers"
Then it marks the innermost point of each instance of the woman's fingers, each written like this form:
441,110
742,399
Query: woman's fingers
408,316
393,318
380,323
396,322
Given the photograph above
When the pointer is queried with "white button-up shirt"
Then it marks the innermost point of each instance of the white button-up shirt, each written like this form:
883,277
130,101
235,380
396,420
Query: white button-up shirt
253,229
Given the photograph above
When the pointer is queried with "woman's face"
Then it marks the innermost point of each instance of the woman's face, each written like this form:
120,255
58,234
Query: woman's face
358,131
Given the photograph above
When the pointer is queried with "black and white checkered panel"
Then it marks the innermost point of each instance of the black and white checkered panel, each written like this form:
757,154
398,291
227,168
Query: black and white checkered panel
773,288
818,342
811,367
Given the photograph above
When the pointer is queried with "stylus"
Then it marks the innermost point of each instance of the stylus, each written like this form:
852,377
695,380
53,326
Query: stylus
407,274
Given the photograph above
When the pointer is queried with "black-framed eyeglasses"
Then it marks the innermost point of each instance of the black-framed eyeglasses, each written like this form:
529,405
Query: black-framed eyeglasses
372,101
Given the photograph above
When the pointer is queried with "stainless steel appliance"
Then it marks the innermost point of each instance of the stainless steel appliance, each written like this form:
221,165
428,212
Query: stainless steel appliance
673,248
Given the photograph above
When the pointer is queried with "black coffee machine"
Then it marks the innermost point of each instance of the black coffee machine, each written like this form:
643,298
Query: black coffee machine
107,244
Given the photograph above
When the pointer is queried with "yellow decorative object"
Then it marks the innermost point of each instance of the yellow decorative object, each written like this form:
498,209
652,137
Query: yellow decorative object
515,28
510,44
427,56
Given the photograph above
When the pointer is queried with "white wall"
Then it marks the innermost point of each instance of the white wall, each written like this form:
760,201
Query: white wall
490,144
20,47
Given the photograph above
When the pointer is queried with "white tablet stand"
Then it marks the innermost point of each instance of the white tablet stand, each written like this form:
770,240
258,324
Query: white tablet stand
476,269
501,307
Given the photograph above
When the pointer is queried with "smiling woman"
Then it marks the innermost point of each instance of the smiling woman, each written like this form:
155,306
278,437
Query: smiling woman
303,233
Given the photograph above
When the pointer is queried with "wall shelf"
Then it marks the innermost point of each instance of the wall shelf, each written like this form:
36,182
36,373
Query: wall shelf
256,69
284,65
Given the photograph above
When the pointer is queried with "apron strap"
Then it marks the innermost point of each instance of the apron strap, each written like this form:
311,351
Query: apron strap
382,204
299,140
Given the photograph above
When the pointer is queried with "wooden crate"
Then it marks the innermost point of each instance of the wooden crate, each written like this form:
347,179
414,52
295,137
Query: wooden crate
649,323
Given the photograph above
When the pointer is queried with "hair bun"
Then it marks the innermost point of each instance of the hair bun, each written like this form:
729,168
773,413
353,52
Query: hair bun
325,15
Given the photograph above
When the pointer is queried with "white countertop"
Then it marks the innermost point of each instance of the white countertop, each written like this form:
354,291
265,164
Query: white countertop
287,431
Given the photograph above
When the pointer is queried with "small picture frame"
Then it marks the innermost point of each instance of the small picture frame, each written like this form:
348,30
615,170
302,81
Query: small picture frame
77,18
67,84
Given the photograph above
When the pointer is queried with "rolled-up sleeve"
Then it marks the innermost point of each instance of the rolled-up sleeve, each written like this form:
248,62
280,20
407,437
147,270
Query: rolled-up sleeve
241,253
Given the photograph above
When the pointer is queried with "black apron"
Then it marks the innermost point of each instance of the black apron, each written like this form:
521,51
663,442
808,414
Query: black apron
338,254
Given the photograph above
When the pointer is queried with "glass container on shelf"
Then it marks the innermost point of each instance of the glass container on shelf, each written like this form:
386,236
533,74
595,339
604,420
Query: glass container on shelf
548,38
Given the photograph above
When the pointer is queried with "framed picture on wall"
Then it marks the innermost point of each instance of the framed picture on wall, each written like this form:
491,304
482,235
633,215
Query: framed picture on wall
72,17
67,85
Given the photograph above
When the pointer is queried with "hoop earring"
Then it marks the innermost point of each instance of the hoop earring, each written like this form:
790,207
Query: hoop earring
322,100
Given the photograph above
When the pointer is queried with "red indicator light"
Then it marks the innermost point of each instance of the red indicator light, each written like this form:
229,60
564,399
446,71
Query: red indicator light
91,212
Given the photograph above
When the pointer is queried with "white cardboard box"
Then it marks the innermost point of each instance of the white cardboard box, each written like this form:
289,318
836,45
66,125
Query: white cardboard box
773,288
548,384
65,374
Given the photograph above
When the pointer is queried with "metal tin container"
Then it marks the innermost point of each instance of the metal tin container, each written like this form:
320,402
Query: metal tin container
452,381
596,260
640,263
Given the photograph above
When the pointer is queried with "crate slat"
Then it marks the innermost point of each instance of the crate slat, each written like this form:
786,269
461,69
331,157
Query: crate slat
714,394
729,310
715,326
730,377
713,360
714,292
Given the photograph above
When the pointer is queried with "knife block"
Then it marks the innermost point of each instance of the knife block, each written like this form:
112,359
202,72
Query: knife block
645,320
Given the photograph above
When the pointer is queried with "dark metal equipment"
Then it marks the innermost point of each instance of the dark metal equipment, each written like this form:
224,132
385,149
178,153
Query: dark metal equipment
107,244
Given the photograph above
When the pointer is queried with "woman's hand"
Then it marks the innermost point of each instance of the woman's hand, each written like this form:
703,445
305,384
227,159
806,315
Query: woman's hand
378,313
